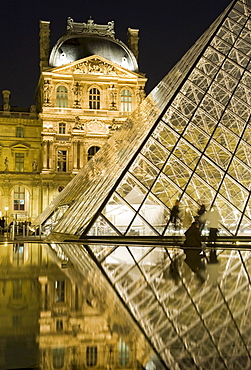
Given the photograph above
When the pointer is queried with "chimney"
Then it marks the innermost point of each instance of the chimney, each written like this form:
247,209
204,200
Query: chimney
133,41
44,44
6,100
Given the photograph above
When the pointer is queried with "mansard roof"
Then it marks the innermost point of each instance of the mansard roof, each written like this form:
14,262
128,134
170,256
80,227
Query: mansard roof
86,39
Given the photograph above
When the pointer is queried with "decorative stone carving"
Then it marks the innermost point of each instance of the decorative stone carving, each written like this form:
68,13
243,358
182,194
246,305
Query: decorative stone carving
106,30
78,125
95,66
97,126
6,100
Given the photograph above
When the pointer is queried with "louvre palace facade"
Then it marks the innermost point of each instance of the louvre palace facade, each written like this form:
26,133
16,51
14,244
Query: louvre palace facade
89,83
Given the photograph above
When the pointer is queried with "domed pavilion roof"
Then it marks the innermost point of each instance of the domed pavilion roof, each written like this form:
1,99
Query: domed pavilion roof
86,39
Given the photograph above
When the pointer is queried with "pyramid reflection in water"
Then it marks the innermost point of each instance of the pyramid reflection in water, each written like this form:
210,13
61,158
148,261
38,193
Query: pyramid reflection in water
189,140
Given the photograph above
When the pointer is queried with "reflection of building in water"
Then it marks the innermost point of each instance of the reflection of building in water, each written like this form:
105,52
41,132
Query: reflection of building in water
57,321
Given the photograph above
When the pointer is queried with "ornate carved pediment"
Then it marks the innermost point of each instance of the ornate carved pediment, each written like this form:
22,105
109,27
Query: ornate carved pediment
20,146
96,127
94,65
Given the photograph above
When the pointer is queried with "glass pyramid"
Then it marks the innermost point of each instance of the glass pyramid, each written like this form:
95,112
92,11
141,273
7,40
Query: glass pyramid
189,140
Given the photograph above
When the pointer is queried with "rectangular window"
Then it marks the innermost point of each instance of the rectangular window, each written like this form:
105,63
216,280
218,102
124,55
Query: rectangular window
58,358
19,132
91,356
59,291
17,289
16,320
62,160
19,198
19,162
59,325
18,254
61,128
126,101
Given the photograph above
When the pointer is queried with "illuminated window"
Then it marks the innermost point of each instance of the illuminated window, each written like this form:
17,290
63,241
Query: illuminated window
59,325
17,289
59,291
19,132
18,254
91,356
123,353
62,97
19,198
92,151
62,128
16,320
126,101
19,162
62,161
58,358
94,98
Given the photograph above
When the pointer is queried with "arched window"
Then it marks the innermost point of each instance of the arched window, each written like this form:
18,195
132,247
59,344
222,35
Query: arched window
62,128
123,353
126,101
92,151
94,98
62,97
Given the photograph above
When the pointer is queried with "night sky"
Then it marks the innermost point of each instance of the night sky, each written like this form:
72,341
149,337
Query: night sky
167,30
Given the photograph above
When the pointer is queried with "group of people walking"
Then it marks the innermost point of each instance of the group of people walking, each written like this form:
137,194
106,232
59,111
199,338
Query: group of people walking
211,218
193,235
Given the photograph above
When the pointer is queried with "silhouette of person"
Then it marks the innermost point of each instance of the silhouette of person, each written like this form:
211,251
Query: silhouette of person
174,215
193,251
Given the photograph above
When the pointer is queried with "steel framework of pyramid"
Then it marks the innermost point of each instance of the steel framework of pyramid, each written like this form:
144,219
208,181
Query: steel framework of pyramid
189,140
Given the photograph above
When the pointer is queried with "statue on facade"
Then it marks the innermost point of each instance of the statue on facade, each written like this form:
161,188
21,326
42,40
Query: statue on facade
34,165
77,95
47,92
113,97
140,94
6,163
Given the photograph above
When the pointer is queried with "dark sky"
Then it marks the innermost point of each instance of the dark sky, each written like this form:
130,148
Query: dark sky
167,30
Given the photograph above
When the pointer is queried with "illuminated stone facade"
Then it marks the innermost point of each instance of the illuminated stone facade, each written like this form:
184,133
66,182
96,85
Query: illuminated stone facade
82,97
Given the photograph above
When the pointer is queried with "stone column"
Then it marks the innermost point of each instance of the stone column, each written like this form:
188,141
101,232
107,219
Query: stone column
45,155
74,154
50,155
81,155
